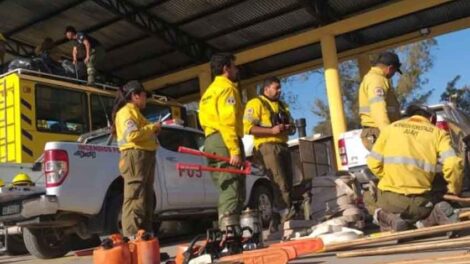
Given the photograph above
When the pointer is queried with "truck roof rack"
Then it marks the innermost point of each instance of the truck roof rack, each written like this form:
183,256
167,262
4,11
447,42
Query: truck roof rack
58,77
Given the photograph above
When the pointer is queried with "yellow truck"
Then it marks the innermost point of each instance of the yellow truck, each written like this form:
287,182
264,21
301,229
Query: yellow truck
36,108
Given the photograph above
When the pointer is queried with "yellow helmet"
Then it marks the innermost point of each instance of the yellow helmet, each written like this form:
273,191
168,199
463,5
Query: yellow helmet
22,179
2,183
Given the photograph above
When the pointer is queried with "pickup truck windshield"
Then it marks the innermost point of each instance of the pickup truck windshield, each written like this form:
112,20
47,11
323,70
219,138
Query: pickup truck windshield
169,138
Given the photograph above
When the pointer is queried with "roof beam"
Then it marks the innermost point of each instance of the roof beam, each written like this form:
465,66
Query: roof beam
375,16
126,43
209,12
112,21
44,17
18,48
320,10
192,47
405,39
140,60
324,14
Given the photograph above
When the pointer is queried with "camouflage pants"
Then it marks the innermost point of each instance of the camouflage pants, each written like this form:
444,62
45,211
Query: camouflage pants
96,57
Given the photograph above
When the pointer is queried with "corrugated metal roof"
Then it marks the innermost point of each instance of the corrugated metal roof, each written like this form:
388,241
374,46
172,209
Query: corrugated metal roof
228,25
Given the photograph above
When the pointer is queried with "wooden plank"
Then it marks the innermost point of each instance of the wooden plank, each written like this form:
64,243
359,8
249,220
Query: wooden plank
410,247
462,258
400,235
455,198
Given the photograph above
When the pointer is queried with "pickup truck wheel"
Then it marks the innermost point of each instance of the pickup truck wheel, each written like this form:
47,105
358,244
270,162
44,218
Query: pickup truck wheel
114,214
16,245
262,199
46,243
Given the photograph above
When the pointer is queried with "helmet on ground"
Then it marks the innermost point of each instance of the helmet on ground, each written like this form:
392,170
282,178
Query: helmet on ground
22,179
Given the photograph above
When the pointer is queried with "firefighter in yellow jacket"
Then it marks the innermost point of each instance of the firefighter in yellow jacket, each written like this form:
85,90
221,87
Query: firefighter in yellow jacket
136,138
268,119
378,104
220,115
404,158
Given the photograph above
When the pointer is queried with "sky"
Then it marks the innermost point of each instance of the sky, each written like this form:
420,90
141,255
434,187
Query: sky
451,57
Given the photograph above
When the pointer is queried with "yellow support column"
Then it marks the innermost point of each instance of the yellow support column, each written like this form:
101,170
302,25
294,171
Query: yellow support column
205,78
333,89
364,64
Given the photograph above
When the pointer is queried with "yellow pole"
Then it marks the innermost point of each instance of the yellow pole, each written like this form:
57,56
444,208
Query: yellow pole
364,64
205,78
333,89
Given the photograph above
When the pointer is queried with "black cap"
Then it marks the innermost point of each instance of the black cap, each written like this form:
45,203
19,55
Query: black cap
134,87
390,58
414,108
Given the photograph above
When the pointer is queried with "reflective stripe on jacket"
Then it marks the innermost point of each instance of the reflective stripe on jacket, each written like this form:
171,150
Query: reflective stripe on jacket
378,105
256,114
405,156
133,130
220,110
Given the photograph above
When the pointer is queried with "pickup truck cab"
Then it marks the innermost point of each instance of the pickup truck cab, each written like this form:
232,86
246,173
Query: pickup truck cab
83,190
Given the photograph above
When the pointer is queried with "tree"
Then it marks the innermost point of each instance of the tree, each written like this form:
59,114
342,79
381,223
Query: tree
459,96
416,60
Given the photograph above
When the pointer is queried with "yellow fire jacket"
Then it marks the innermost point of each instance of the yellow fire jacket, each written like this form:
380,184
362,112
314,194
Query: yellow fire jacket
405,157
133,130
256,114
378,105
220,110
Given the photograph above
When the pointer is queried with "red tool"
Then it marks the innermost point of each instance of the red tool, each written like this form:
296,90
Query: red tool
191,166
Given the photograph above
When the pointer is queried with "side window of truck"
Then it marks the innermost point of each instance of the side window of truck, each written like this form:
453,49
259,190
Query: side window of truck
172,139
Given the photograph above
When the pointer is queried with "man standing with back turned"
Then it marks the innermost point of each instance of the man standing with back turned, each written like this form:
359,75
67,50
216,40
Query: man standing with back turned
268,119
405,159
378,104
220,115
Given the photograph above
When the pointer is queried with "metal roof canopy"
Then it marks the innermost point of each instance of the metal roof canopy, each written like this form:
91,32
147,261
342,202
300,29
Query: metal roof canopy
174,39
145,38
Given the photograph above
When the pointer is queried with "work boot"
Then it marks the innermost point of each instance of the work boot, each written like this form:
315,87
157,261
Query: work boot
391,222
275,223
443,213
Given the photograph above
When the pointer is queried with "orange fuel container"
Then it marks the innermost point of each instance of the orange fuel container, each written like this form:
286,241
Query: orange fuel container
146,249
113,250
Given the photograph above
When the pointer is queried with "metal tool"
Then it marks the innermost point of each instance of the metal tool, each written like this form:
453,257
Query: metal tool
246,167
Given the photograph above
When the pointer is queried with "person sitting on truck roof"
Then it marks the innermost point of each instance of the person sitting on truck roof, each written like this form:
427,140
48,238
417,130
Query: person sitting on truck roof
378,104
404,158
94,51
22,179
136,138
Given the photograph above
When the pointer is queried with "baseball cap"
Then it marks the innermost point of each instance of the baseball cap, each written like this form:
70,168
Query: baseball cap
134,87
390,58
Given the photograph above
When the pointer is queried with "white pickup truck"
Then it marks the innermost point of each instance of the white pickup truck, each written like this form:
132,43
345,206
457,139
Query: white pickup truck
353,154
83,191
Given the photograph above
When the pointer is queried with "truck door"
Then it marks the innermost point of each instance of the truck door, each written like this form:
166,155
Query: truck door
183,188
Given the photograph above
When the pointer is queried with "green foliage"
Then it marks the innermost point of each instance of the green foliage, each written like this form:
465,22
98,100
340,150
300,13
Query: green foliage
416,60
459,96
